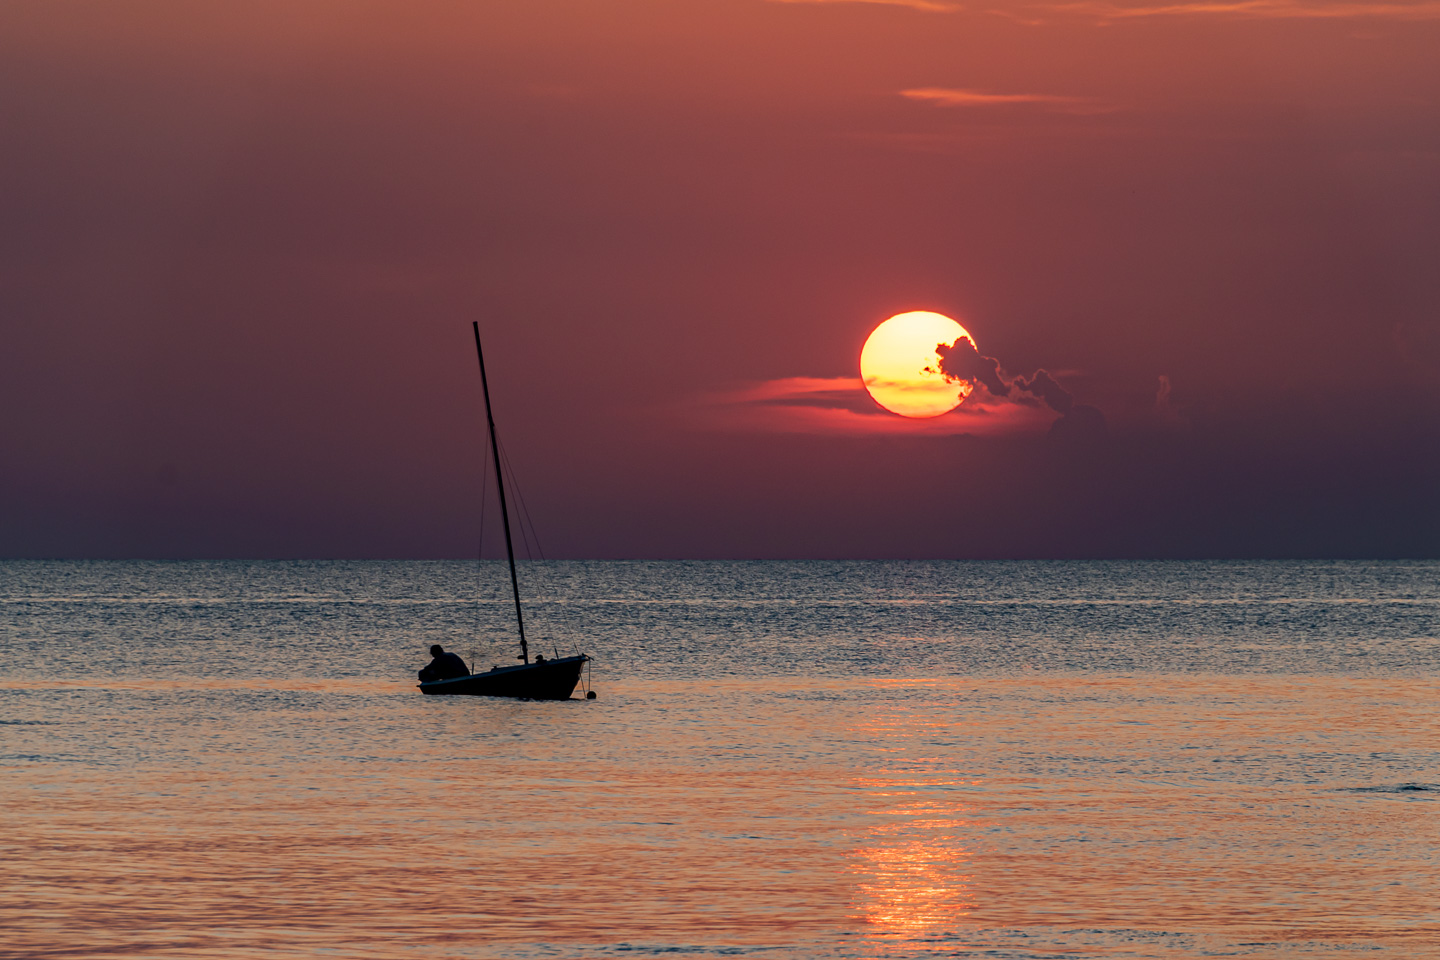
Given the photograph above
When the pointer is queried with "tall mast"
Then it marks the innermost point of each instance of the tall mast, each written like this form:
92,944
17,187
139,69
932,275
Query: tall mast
500,483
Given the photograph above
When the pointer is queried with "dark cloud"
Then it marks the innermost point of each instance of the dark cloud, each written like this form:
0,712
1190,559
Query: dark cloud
1078,424
1040,384
961,361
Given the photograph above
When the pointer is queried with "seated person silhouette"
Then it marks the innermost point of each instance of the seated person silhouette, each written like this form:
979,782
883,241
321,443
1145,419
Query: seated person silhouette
445,666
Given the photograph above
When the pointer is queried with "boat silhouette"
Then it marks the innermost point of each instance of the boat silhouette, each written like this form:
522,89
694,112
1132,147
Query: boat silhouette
538,680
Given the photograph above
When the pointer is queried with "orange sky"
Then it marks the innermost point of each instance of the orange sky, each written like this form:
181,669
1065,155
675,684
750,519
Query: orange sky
243,243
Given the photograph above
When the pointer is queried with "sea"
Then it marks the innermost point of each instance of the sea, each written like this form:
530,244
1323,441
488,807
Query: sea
786,760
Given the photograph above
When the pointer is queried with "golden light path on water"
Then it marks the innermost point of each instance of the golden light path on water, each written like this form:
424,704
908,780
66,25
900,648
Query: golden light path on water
913,879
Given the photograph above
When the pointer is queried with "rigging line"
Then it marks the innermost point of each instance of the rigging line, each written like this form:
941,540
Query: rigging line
525,510
519,516
480,551
484,500
520,513
534,534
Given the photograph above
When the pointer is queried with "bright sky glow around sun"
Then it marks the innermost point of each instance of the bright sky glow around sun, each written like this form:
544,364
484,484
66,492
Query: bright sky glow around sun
900,366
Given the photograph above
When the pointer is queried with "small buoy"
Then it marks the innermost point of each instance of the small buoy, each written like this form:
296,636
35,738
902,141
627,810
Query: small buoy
590,695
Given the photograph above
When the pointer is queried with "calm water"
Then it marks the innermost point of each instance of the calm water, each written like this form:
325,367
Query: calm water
788,760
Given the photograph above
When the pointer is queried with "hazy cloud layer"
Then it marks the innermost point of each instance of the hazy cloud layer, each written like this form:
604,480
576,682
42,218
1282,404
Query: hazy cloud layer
1260,10
1035,14
841,406
927,6
950,97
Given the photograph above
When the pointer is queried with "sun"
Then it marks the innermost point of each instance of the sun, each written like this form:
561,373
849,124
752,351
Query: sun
901,369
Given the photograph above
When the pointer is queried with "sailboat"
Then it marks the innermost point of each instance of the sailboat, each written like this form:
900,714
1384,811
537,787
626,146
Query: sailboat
538,680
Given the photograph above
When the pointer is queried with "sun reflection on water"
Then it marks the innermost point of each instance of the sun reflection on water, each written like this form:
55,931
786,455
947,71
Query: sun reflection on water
915,879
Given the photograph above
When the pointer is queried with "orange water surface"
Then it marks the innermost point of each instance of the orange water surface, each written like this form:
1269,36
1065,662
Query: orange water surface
1040,816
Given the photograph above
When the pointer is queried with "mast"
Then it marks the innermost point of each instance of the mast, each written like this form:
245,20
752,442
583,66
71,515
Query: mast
500,483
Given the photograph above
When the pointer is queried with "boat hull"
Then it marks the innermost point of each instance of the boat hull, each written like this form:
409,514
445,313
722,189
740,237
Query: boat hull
548,680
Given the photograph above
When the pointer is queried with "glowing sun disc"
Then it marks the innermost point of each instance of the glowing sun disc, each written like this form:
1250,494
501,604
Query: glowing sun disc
901,369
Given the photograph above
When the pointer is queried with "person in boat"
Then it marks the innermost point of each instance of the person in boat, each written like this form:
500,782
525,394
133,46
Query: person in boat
444,666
